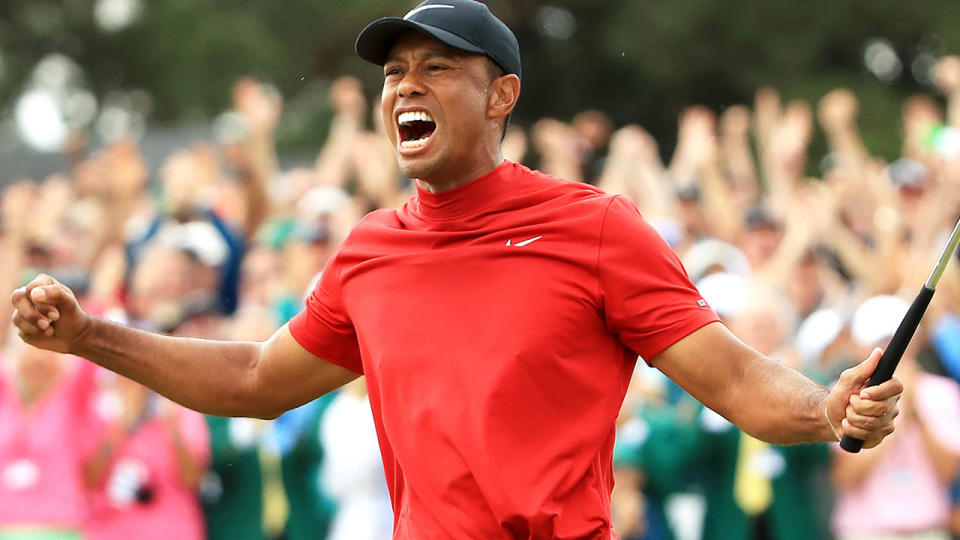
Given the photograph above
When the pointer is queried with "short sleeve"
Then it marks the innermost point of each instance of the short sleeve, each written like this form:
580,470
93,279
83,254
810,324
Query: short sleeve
323,327
649,301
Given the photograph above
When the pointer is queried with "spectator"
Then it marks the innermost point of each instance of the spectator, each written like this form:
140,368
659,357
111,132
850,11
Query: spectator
147,468
45,401
906,482
352,471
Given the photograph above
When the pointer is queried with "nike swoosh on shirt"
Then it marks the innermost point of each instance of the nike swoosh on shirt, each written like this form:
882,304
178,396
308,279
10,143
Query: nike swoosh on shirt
524,243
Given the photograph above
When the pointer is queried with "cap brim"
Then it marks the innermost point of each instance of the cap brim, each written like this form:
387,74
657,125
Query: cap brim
374,42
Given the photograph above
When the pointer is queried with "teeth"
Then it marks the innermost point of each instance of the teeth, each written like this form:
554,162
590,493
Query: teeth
414,116
414,144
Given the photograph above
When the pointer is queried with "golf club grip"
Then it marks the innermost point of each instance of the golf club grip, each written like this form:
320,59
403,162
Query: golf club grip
893,353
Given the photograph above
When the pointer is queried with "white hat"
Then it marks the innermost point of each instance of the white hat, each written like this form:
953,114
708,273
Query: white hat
320,201
877,318
817,332
712,252
199,237
725,292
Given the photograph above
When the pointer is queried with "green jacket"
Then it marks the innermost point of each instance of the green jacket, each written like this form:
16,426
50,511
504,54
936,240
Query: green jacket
232,492
800,506
311,511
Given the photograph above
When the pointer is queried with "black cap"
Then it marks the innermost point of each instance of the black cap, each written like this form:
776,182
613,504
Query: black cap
462,24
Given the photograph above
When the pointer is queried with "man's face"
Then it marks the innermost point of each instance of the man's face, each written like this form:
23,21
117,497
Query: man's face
434,106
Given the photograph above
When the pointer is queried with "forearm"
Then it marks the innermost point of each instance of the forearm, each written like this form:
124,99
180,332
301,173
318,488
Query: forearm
773,402
779,405
766,399
739,161
255,181
719,202
847,143
332,164
213,377
191,471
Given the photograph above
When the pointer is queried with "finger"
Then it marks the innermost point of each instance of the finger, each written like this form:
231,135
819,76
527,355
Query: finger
869,407
863,370
24,326
25,308
39,281
884,390
870,423
53,297
878,437
858,432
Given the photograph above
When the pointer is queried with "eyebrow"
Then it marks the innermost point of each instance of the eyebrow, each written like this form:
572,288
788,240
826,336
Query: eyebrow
432,53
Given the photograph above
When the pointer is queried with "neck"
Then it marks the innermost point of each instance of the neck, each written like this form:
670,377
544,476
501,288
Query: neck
440,183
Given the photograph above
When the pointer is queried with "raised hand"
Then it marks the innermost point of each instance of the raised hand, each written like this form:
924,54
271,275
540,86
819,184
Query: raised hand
735,122
838,110
947,75
696,142
346,96
259,104
125,171
862,412
47,315
18,201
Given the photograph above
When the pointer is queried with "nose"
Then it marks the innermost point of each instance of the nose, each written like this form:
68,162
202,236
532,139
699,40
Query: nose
411,84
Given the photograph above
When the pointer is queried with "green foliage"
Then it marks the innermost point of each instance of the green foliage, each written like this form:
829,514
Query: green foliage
640,61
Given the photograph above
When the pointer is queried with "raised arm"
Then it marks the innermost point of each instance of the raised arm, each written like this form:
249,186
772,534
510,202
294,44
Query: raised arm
774,402
214,377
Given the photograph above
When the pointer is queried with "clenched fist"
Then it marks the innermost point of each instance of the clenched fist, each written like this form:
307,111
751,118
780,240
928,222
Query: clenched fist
47,315
863,412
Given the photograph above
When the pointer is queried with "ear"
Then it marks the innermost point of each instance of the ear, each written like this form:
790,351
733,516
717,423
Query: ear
504,93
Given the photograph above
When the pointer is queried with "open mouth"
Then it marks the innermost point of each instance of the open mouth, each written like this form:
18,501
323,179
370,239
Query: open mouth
415,127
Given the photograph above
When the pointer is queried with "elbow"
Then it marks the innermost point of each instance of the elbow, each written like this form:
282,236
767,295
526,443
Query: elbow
250,397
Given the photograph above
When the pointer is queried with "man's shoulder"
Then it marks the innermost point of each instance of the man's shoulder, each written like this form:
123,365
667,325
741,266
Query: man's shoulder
540,184
371,223
538,177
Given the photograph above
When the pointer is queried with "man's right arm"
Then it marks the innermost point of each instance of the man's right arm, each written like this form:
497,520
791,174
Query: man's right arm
223,378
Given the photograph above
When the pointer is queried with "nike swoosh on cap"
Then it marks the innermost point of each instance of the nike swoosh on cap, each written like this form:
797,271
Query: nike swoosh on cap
421,8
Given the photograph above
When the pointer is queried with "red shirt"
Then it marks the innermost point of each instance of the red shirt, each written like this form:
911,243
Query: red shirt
498,324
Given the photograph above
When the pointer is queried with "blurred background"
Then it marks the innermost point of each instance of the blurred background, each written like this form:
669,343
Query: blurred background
189,167
158,69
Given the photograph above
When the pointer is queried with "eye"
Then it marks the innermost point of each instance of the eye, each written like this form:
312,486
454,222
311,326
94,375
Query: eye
392,70
436,67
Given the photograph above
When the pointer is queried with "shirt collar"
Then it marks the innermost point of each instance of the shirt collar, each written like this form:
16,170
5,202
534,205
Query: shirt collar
467,199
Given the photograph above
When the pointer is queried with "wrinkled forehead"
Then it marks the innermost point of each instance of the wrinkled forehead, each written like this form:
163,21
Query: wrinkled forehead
414,44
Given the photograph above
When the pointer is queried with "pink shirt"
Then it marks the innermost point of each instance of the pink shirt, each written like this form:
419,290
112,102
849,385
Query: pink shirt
902,492
173,510
42,450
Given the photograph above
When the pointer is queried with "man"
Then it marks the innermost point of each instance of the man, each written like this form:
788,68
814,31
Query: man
497,317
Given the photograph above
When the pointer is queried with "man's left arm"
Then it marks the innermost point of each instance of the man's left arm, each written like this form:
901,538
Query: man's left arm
773,402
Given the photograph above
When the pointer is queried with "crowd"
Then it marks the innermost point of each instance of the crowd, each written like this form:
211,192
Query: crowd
223,244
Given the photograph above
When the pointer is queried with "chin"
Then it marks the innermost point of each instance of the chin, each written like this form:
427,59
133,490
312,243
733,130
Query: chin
420,168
